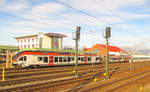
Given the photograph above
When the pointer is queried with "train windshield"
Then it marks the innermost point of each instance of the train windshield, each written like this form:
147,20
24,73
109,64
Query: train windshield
23,58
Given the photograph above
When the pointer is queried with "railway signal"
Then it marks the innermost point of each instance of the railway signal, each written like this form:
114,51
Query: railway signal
78,32
77,38
107,34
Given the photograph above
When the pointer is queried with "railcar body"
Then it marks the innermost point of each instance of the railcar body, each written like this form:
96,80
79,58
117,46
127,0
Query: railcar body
42,58
120,58
140,58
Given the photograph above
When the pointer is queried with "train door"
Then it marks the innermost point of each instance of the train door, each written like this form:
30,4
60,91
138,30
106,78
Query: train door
85,60
51,60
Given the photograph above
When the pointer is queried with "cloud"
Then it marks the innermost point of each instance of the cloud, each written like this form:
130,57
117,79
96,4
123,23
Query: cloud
107,7
125,26
19,30
55,17
48,8
98,6
2,2
14,5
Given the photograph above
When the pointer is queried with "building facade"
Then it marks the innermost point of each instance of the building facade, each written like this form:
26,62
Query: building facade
41,40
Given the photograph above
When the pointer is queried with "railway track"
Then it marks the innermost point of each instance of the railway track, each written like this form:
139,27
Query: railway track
18,70
58,81
49,76
140,76
38,72
109,86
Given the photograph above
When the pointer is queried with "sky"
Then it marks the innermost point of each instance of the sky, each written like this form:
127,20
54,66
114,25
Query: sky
128,19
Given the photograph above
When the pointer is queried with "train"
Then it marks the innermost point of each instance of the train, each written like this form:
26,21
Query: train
53,58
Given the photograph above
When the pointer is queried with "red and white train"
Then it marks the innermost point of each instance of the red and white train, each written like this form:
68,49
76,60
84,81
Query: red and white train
49,58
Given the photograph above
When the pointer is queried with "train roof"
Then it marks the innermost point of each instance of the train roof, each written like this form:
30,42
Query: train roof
140,55
57,51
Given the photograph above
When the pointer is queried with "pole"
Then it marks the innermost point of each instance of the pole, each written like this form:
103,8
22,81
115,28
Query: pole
77,37
107,59
107,34
7,59
76,63
3,73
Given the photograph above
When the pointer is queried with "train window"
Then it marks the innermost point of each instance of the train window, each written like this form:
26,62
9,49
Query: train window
60,59
40,58
72,58
25,58
45,59
82,58
89,58
21,59
79,58
69,59
97,58
65,59
56,59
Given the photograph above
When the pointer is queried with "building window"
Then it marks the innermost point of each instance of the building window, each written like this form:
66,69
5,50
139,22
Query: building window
21,41
55,43
28,40
36,45
32,39
17,41
21,46
24,46
32,45
36,39
24,40
28,46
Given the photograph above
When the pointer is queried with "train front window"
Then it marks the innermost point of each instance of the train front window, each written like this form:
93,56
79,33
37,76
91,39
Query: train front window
21,59
24,58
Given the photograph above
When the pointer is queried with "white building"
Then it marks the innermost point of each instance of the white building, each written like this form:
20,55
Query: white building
41,40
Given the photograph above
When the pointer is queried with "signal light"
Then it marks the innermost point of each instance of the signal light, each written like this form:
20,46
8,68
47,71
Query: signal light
78,32
107,33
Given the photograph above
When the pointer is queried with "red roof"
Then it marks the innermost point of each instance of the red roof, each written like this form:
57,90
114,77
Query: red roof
110,48
102,48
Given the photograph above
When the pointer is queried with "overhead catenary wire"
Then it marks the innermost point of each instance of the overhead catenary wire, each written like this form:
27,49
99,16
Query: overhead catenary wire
31,20
101,20
112,12
79,10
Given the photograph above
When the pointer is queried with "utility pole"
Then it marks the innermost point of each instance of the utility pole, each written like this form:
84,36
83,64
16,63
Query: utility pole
77,38
107,35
